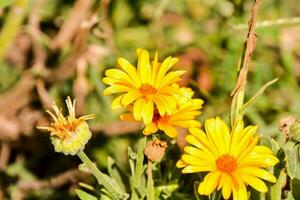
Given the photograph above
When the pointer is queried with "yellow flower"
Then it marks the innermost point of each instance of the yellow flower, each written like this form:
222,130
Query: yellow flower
232,160
68,134
148,86
187,109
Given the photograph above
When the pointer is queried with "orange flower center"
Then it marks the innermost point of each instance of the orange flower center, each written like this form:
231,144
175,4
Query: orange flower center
226,163
147,89
157,118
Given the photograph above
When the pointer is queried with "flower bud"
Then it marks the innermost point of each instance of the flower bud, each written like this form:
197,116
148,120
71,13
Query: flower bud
69,134
155,150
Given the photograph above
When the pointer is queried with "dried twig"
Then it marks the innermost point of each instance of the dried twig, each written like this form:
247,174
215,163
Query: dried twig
73,175
18,96
249,48
239,91
4,155
117,128
70,27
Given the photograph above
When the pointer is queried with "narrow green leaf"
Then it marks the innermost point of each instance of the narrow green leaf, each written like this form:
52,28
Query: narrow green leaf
114,173
84,195
271,143
295,186
292,160
257,95
275,192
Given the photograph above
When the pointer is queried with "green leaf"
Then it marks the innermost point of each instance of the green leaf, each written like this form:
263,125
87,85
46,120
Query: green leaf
257,95
289,196
275,191
114,173
84,195
292,160
295,186
271,143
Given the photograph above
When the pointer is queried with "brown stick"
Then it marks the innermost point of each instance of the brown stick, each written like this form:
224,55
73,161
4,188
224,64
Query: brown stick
69,176
4,155
249,48
70,27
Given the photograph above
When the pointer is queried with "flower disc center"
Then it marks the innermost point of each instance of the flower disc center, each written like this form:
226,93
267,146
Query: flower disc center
147,89
226,163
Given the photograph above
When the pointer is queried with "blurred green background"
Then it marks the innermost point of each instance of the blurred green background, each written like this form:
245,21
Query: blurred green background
51,49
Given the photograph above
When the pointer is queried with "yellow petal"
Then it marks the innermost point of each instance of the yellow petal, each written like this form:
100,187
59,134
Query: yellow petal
202,138
262,150
258,172
218,133
127,117
150,128
160,106
199,154
117,102
193,160
138,109
259,161
243,142
240,192
119,75
254,182
180,164
165,66
130,70
130,97
236,135
171,78
193,141
186,123
148,112
144,69
155,66
227,185
115,89
210,183
169,130
193,169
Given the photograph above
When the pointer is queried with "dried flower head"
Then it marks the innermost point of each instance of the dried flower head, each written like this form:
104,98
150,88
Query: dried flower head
69,134
155,150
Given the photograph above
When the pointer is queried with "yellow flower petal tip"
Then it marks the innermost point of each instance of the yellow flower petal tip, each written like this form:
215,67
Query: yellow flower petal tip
69,134
231,158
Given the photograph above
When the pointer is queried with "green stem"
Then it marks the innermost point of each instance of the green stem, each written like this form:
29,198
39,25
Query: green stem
139,162
150,182
138,170
99,175
12,24
236,106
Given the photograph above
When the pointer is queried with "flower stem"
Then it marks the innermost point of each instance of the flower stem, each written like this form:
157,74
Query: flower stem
102,179
150,182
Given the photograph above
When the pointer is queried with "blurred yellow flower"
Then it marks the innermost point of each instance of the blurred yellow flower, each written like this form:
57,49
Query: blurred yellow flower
232,160
183,116
68,134
147,87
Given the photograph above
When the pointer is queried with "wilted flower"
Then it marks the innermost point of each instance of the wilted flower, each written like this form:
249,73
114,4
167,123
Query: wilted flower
146,87
69,134
232,160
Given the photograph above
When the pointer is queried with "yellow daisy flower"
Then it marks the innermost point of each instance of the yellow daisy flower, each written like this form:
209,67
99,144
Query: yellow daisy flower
183,116
232,160
69,134
148,86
